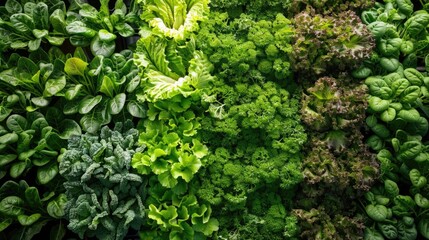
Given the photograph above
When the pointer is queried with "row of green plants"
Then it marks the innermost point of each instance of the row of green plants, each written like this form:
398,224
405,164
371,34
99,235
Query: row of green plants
191,119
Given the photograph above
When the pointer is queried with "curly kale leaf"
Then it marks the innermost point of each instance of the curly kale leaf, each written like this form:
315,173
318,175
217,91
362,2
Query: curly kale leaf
247,47
105,196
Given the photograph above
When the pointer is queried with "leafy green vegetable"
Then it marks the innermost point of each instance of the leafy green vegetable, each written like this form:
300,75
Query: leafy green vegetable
21,208
104,196
98,28
28,24
176,22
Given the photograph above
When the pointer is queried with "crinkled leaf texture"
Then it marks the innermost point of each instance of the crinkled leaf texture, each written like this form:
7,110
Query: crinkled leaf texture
164,68
105,196
175,19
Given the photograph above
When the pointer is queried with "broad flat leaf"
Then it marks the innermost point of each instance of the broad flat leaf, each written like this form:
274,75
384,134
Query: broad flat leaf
117,103
46,173
16,123
103,48
81,29
41,16
5,159
88,104
423,226
416,24
9,138
108,86
376,212
32,197
75,66
12,206
73,91
68,128
54,86
136,109
56,207
22,22
13,6
17,169
58,21
25,220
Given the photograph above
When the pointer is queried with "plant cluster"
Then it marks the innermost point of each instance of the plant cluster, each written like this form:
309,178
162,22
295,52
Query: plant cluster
104,196
338,167
223,120
325,44
397,118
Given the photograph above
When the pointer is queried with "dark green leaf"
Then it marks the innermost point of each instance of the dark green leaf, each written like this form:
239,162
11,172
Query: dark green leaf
17,123
89,103
391,188
46,173
58,21
56,207
423,227
68,128
90,123
6,159
32,197
388,230
22,22
9,138
117,103
416,24
12,206
57,232
41,16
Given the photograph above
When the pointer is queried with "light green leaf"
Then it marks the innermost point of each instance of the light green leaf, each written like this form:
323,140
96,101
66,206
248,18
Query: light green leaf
391,188
25,220
417,179
13,6
376,212
414,76
75,66
56,207
108,86
377,104
388,115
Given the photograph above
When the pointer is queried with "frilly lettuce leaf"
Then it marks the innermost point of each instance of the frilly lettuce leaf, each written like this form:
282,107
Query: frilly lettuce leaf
174,18
155,56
